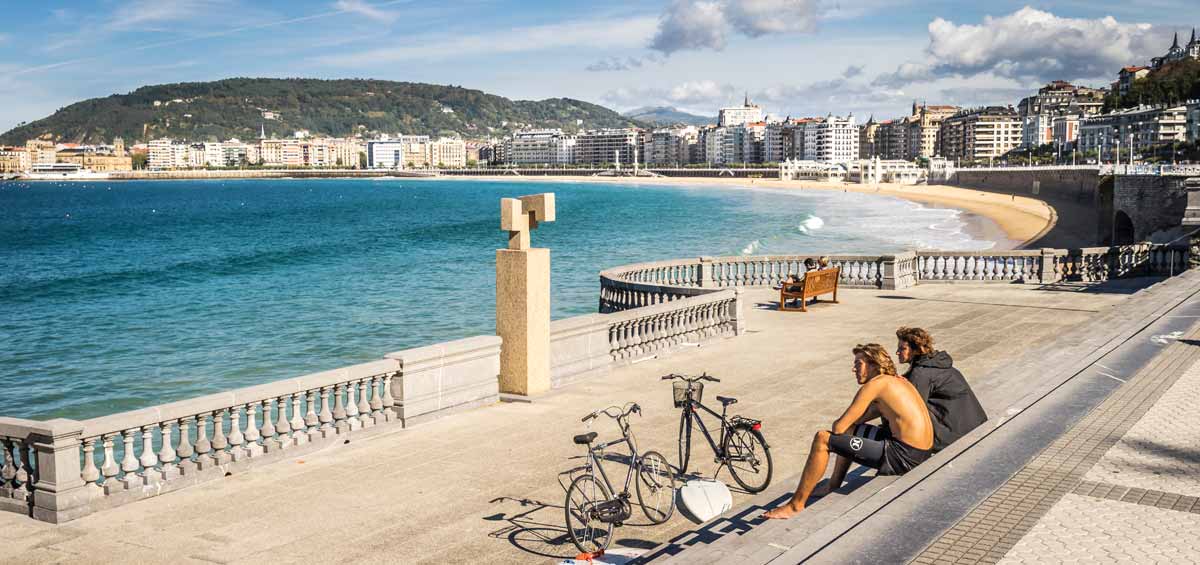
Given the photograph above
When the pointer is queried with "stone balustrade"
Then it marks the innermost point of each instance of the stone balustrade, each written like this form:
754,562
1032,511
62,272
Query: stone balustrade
1004,267
1093,264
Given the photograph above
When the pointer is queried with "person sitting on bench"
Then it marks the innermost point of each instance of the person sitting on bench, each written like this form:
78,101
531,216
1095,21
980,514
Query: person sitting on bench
904,441
810,264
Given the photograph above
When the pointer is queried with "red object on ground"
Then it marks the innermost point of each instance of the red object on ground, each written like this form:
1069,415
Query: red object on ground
589,556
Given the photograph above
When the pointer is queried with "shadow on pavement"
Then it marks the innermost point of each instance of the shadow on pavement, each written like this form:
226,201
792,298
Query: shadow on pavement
535,527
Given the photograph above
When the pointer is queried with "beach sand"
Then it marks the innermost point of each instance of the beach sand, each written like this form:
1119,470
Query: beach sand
1011,222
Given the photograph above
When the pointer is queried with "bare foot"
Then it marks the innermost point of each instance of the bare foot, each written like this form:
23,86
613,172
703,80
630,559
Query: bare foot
783,512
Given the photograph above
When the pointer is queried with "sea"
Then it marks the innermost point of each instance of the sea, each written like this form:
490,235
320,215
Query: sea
120,295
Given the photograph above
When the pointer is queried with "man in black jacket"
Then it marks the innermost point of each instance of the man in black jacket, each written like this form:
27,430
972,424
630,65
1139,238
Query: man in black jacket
952,404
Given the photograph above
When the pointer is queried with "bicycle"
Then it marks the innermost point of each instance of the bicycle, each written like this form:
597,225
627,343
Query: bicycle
593,510
741,441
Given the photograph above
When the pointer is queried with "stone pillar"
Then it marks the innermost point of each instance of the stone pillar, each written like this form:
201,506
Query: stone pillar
1046,271
705,279
59,494
523,297
739,318
897,271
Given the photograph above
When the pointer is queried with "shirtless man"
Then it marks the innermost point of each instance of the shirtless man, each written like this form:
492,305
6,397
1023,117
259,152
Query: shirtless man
904,441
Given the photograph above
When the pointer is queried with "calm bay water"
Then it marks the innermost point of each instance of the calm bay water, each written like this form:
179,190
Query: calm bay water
115,296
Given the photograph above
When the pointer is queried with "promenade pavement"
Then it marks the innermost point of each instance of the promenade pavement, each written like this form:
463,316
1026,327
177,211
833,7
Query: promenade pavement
485,485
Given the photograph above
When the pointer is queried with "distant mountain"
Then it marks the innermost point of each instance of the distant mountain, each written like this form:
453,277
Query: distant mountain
666,115
238,107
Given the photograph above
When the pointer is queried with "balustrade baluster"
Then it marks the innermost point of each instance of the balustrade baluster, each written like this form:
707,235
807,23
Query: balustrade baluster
236,436
339,410
299,429
1008,268
325,417
252,433
129,463
219,441
149,459
184,450
204,458
167,455
377,400
283,429
352,405
90,473
364,406
8,473
389,401
26,475
311,420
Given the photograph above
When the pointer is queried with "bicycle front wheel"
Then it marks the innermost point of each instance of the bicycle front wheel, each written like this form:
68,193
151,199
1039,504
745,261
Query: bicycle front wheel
748,458
685,439
656,487
587,531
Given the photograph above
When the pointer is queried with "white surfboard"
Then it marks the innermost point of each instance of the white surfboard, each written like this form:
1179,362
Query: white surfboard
701,500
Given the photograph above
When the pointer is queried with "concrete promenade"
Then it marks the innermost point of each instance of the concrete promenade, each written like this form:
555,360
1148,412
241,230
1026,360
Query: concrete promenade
483,486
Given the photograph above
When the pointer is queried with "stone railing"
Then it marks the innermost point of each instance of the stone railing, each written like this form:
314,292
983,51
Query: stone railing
648,284
62,469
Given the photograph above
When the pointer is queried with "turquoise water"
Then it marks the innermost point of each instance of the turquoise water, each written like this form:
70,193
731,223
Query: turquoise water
120,295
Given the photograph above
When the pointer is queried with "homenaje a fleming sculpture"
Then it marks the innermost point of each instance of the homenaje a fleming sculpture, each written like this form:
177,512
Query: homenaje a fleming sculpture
523,297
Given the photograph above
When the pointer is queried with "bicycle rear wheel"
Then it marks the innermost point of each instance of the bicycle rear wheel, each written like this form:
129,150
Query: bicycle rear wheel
656,487
685,439
748,458
587,531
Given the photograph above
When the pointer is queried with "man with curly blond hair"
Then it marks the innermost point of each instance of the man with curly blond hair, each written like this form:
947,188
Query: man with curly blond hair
905,440
952,404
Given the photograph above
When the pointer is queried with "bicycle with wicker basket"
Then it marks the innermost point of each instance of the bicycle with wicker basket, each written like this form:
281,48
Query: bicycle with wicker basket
740,446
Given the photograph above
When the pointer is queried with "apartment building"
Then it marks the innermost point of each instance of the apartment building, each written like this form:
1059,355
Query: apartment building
168,154
14,160
738,115
980,133
606,146
1143,128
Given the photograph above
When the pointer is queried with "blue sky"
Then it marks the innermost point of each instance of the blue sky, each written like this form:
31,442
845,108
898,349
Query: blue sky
795,57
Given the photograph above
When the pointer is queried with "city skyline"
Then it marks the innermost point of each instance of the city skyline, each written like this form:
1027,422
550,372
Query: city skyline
872,59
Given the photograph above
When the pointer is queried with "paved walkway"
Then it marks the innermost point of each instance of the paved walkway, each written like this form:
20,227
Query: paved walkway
481,486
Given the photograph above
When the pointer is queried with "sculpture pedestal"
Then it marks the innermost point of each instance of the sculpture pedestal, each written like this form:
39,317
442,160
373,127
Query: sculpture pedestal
523,319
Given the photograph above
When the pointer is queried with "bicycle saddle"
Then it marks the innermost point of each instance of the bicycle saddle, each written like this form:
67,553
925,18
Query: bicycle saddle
585,439
726,400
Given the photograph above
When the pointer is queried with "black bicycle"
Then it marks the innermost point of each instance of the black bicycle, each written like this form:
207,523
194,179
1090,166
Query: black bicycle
741,446
592,508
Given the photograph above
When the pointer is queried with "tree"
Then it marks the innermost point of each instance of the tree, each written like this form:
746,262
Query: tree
139,160
362,159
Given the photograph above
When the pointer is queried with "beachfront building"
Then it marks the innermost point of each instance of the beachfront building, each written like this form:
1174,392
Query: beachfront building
14,160
385,154
876,170
103,159
41,152
980,134
738,115
868,138
669,147
539,147
924,126
1064,130
607,146
892,139
167,154
1141,128
805,169
448,152
832,139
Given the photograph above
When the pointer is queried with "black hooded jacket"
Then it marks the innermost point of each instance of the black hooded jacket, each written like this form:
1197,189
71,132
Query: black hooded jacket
952,405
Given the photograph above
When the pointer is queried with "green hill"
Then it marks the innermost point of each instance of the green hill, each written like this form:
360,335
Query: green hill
1172,84
210,111
667,115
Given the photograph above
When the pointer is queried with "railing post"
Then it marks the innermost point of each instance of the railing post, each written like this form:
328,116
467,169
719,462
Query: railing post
58,494
1046,272
898,271
739,320
705,280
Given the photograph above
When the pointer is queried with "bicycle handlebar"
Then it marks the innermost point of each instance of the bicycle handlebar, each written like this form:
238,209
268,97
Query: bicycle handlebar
702,377
622,412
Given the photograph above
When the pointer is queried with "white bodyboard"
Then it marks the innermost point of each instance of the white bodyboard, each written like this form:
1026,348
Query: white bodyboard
701,500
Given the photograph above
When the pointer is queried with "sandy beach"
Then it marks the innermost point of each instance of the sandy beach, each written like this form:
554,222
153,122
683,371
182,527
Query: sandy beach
1012,222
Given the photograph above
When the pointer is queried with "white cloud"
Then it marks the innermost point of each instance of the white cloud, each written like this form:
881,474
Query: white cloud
1031,45
366,10
706,24
613,33
137,14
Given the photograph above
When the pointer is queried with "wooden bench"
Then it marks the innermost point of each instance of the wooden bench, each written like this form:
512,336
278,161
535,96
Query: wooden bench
815,283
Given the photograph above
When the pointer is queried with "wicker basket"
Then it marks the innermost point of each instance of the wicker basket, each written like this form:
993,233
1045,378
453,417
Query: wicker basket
681,389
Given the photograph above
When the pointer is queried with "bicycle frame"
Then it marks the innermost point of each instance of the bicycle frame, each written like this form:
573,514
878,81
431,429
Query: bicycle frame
725,427
595,463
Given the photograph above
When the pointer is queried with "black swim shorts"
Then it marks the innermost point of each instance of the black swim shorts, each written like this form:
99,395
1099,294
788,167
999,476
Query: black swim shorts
874,447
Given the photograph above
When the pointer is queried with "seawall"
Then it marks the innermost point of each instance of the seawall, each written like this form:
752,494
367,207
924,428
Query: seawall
1075,195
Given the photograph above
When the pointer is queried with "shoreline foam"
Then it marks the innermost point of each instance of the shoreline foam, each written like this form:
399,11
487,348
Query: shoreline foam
1011,222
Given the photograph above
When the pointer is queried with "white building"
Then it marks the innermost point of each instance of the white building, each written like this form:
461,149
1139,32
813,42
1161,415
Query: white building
804,169
832,139
746,113
1145,127
896,171
1036,130
1065,130
539,147
668,146
601,147
167,154
385,154
448,152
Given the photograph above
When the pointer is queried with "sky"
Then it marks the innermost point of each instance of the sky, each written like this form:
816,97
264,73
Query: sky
793,57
